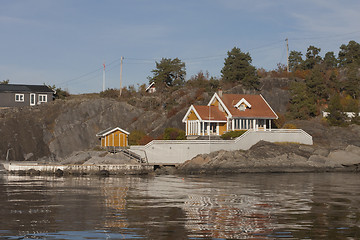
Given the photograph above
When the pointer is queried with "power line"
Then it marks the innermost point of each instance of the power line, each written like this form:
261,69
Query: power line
82,76
132,60
266,45
323,37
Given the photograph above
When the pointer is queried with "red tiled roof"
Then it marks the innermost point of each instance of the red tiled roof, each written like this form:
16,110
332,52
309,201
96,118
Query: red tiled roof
214,113
259,108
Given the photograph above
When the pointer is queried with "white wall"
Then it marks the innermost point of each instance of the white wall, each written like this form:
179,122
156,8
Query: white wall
175,152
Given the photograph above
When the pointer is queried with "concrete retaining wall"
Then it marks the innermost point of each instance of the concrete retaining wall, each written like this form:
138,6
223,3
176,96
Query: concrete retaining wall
78,169
176,152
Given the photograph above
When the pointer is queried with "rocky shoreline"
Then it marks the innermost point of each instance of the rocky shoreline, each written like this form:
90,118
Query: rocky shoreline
263,157
275,157
335,149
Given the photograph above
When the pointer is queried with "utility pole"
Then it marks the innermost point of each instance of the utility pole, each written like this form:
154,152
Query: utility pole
287,54
104,77
121,64
209,128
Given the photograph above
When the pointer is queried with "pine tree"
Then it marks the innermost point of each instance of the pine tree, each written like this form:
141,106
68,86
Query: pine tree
349,54
312,58
238,69
336,115
295,60
302,104
352,82
168,72
330,60
316,85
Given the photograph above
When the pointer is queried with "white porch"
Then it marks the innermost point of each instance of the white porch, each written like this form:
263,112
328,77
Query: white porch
246,124
205,128
202,128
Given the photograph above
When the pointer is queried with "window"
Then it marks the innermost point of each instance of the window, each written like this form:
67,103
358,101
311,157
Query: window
42,98
242,107
19,97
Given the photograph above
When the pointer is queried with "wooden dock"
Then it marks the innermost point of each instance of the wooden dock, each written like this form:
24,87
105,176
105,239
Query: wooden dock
74,169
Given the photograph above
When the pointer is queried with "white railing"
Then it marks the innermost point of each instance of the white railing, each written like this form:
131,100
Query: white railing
244,135
291,131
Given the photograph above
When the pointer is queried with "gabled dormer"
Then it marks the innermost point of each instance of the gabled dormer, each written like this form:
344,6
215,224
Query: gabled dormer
216,101
242,105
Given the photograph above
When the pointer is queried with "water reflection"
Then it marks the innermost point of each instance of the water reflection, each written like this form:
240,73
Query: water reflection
260,206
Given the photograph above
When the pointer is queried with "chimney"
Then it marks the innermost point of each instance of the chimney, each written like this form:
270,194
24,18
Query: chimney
220,92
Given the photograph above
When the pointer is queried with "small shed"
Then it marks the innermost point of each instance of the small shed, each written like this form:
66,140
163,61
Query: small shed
113,137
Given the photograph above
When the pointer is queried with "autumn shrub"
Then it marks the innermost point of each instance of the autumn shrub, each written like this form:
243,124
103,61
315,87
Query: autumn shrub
261,72
280,121
135,137
145,140
290,126
302,73
110,93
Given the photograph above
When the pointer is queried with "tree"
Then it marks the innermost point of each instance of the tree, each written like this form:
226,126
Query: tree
316,85
168,72
5,81
312,57
295,60
333,82
238,69
330,60
352,82
349,54
302,105
336,115
201,80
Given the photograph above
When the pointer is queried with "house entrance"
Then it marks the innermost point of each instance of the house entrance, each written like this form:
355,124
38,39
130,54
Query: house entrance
210,128
261,124
32,99
213,128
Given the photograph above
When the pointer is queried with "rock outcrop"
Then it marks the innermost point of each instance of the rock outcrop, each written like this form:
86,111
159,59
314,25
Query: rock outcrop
334,149
272,157
55,130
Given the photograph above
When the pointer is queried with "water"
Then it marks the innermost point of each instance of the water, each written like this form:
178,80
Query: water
247,206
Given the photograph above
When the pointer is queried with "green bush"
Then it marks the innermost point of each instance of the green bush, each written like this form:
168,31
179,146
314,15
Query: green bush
59,93
232,134
174,134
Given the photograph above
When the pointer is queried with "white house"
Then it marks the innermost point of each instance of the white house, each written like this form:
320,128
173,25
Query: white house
229,112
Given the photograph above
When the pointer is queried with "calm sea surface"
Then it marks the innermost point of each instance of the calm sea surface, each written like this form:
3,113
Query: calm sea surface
248,206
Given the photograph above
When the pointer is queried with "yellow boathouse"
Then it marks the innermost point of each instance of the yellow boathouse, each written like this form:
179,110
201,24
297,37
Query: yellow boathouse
113,137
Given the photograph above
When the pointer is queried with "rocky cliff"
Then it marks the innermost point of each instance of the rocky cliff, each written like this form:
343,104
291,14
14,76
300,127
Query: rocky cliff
57,129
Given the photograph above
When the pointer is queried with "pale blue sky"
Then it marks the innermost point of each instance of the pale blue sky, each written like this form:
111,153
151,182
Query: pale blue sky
65,42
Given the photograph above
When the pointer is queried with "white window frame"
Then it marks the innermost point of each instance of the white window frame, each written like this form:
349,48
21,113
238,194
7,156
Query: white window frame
42,98
19,97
